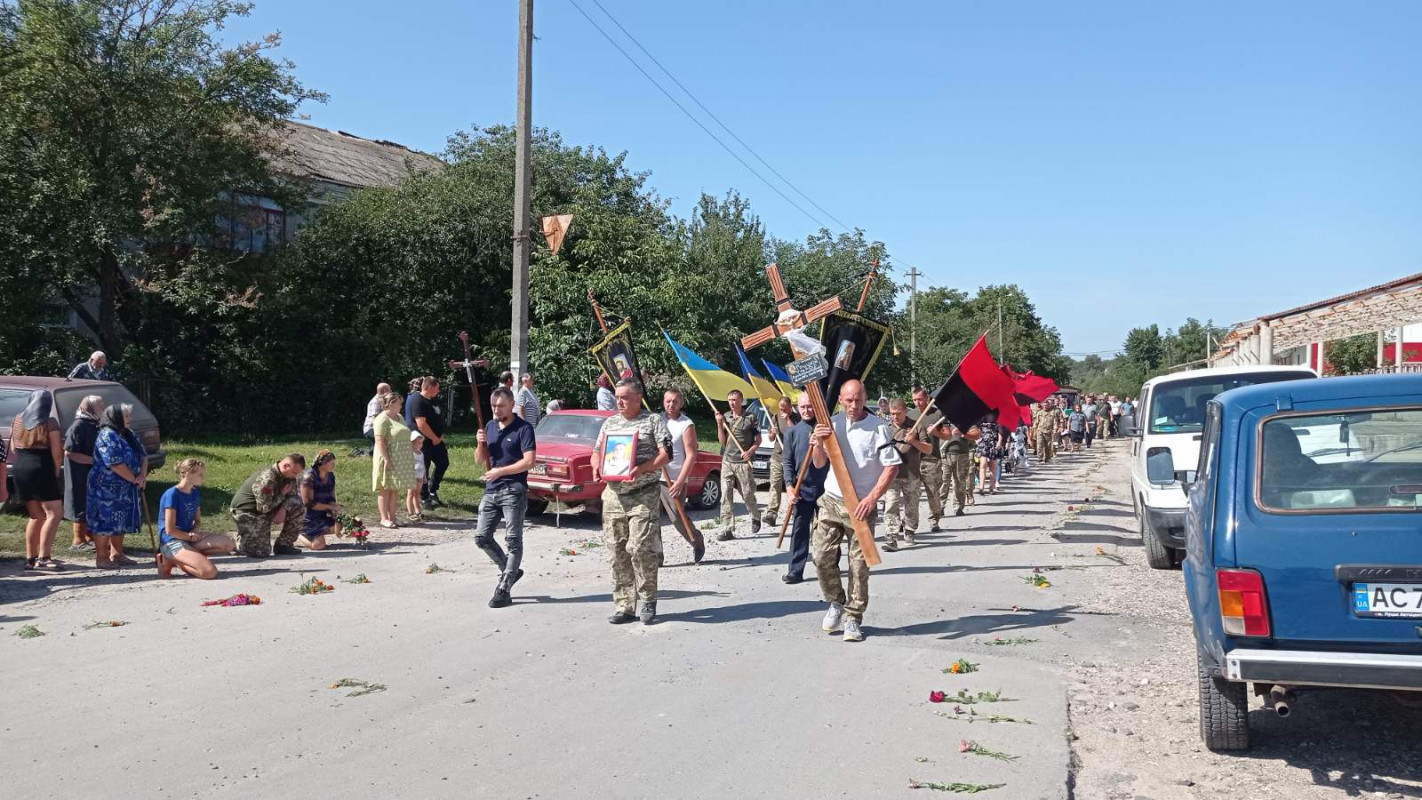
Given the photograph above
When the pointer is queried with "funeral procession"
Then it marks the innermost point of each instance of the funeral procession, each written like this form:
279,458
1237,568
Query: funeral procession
636,400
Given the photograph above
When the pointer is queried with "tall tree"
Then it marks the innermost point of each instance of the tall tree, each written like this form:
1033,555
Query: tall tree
127,128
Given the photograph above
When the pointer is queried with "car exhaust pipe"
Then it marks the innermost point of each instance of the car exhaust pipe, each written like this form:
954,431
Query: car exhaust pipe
1280,699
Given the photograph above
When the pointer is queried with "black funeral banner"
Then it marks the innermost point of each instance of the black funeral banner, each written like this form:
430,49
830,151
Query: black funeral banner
852,346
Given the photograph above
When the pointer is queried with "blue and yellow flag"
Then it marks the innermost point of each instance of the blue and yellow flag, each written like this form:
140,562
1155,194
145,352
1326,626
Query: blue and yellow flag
782,379
767,390
713,381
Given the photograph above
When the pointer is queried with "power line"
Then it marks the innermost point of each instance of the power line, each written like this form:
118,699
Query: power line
717,119
691,117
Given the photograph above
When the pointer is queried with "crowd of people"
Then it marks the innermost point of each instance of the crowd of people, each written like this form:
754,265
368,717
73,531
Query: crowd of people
94,476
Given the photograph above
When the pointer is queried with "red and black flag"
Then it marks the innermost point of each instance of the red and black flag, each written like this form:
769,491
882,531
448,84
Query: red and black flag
852,345
975,388
1029,388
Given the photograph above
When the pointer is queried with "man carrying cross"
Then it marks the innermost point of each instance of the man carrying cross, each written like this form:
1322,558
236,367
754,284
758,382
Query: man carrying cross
873,463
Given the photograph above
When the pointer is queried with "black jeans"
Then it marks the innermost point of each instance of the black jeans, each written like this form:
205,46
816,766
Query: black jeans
804,515
436,463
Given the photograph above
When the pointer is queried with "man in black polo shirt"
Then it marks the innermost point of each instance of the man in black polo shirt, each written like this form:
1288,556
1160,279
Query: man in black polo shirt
425,416
506,451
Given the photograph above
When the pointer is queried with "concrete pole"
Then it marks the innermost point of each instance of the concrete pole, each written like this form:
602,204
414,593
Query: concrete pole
1266,344
1397,355
913,324
1382,337
523,185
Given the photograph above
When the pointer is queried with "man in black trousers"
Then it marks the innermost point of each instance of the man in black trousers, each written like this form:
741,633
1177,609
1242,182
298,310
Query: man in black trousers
797,448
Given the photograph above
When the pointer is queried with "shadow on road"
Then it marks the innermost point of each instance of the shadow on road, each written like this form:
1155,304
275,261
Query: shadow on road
773,609
979,624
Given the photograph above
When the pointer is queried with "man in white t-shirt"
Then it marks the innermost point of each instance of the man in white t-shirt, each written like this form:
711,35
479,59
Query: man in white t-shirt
683,436
372,410
873,464
526,402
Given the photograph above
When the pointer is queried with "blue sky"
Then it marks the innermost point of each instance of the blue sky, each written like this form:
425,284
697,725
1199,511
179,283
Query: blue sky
1125,162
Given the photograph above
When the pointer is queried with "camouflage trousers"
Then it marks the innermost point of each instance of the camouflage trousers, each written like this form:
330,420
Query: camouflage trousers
632,533
931,473
777,485
254,531
901,506
1045,447
958,478
1103,425
737,475
832,527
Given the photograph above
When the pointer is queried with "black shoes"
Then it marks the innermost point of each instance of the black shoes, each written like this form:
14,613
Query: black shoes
648,612
286,550
698,552
792,579
622,618
726,535
433,501
958,513
755,526
500,599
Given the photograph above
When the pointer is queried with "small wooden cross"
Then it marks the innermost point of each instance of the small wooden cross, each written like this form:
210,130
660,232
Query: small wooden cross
788,320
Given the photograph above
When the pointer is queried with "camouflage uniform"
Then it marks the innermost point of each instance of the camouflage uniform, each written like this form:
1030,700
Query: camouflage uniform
1045,425
255,506
901,500
957,454
632,515
832,526
736,470
778,427
930,468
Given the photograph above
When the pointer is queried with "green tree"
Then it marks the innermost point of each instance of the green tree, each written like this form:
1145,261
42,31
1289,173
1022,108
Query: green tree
126,131
1353,355
1144,347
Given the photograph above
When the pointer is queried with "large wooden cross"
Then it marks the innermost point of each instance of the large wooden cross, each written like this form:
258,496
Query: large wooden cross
788,320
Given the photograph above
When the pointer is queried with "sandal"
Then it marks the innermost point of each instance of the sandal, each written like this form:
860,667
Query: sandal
48,564
30,563
125,560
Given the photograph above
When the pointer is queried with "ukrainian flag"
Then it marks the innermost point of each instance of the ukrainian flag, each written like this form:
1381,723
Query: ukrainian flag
768,391
782,379
713,381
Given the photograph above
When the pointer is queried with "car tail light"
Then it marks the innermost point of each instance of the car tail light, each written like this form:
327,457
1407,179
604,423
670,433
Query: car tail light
558,470
1244,605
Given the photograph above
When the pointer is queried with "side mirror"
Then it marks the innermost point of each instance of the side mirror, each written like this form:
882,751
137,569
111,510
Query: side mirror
1160,466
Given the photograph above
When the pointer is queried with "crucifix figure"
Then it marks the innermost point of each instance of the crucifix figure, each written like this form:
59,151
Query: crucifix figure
790,320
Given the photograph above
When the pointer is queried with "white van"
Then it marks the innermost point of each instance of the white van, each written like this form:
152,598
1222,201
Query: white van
1169,420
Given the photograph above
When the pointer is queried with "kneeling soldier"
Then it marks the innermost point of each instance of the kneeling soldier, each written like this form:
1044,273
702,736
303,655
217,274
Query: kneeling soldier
265,499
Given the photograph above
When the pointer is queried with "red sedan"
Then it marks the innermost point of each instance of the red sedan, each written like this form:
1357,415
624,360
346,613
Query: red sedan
563,471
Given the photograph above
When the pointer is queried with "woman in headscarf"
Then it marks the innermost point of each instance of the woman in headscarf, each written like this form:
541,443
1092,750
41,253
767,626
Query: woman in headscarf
78,458
36,457
318,492
120,470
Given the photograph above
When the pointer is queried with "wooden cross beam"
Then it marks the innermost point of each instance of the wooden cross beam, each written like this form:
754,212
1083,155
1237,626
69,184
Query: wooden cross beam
792,321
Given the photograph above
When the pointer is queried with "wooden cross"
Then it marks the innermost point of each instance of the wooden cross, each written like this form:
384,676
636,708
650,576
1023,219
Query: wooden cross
468,365
789,320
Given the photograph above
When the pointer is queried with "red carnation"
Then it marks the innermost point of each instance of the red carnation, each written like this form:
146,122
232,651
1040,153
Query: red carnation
266,490
935,697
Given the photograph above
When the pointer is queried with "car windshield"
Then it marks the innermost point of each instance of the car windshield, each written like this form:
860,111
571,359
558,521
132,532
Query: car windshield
66,404
1366,460
570,429
1179,406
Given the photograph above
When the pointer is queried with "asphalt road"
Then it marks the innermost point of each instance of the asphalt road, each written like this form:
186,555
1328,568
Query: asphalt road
734,691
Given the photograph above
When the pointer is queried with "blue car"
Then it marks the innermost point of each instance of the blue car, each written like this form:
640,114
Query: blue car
1303,562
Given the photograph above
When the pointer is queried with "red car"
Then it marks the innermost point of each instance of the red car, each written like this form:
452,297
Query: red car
563,471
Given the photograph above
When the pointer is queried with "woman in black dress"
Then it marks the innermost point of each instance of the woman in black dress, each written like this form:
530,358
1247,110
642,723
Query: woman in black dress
35,457
78,460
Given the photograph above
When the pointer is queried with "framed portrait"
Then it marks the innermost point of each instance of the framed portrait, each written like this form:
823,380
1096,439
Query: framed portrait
619,456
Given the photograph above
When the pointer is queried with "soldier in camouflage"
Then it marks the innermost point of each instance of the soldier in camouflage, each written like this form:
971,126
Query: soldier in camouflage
780,422
269,498
930,466
1045,424
739,434
631,509
957,454
901,501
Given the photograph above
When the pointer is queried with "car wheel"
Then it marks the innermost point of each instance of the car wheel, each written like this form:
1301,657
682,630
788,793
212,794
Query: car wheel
536,506
710,495
1158,556
1224,711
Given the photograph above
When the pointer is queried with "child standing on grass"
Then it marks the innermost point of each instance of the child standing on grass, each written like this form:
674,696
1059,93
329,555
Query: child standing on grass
180,543
412,498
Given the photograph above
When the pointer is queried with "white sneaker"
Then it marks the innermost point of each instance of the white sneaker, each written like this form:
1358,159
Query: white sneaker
851,631
833,618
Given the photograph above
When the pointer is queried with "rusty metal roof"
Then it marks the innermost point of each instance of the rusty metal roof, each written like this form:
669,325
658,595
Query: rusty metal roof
1383,287
349,160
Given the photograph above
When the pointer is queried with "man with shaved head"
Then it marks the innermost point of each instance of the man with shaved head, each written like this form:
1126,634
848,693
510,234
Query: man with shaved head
873,463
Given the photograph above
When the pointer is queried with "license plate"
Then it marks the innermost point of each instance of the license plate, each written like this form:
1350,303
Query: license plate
539,469
1387,599
762,464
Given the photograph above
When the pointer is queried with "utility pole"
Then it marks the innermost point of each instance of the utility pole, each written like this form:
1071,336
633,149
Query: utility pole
523,184
1001,340
913,324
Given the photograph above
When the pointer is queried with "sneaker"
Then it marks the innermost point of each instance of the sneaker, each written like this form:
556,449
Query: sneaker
726,535
892,545
851,631
622,618
934,528
908,539
286,550
771,516
82,547
516,577
834,618
433,501
647,613
698,552
500,599
755,526
792,579
959,512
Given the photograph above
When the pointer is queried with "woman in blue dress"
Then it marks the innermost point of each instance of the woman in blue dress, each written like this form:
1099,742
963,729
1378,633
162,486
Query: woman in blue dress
119,473
318,492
